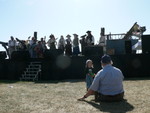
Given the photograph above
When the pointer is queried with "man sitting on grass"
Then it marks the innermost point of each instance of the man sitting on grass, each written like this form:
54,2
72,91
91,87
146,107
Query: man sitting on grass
108,83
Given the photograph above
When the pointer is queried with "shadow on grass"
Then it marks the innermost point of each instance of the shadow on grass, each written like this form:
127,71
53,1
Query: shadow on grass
113,107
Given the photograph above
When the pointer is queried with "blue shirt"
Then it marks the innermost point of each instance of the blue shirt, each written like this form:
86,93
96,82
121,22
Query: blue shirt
108,81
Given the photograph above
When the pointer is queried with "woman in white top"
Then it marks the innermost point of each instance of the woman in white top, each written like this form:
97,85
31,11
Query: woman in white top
52,42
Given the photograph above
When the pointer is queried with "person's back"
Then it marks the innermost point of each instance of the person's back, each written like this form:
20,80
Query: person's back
110,80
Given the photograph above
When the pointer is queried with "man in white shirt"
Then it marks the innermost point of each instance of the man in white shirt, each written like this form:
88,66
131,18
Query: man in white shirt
108,83
11,45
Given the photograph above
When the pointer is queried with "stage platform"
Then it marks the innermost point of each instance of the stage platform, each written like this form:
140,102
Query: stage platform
64,67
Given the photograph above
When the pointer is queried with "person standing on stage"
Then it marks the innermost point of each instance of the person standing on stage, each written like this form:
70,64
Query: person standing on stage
11,46
52,42
90,39
43,44
83,44
76,50
68,46
32,45
61,43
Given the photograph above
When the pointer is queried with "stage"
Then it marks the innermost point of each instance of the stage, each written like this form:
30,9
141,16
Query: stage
63,67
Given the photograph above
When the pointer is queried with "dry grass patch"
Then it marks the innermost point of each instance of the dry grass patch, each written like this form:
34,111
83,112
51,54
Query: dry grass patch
61,97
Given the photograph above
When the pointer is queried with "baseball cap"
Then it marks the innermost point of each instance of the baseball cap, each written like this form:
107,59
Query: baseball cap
106,59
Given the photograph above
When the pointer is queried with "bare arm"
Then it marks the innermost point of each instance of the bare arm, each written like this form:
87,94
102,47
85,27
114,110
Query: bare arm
90,92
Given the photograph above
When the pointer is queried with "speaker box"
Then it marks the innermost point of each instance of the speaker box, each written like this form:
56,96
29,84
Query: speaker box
145,44
2,55
93,51
20,55
128,47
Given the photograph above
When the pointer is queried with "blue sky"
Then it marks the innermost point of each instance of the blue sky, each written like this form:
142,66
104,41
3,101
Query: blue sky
20,18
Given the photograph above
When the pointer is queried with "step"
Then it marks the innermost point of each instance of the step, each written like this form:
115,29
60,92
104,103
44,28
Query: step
28,78
31,75
35,62
33,69
31,72
34,66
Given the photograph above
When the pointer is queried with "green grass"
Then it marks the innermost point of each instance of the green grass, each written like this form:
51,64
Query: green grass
61,97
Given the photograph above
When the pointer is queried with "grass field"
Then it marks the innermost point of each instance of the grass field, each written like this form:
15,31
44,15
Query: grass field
61,97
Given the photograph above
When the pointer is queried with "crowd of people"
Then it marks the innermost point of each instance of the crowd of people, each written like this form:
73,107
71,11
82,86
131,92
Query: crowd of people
96,84
36,47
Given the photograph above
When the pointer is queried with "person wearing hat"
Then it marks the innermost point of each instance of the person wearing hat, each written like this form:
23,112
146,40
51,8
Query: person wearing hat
108,83
69,39
52,42
90,38
68,46
61,43
76,45
83,44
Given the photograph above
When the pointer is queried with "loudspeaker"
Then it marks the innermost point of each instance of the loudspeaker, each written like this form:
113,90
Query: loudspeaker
93,51
20,55
53,53
145,44
128,47
2,55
